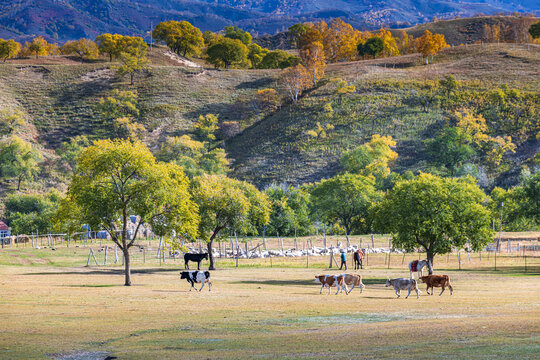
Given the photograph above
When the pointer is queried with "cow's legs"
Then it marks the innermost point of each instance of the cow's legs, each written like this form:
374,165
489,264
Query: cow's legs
202,286
443,288
418,293
361,264
350,290
322,286
409,293
398,292
451,290
198,265
186,265
191,282
209,286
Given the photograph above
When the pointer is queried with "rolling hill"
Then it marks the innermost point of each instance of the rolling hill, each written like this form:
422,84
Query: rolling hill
58,98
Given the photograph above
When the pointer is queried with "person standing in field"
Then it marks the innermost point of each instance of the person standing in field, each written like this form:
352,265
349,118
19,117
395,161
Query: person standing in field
343,259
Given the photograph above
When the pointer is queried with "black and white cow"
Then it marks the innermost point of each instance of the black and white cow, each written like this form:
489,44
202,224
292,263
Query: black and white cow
196,276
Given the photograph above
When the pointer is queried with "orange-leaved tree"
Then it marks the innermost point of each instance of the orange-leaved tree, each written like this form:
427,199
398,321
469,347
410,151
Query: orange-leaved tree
314,59
294,80
430,44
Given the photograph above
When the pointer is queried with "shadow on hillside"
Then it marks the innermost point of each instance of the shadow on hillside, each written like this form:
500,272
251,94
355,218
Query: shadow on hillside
226,111
255,84
105,272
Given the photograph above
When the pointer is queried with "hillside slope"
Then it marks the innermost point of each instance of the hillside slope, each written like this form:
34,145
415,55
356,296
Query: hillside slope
387,102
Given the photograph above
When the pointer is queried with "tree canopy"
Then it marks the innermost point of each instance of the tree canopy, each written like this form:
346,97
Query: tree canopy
180,36
18,159
346,199
119,178
436,214
290,211
228,204
233,32
373,46
9,49
226,52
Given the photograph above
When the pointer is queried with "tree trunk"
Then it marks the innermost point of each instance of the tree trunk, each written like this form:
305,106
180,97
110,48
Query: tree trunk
127,268
131,75
19,183
430,257
110,57
210,255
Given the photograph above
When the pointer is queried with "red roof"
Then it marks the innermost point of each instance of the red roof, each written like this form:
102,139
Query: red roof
3,226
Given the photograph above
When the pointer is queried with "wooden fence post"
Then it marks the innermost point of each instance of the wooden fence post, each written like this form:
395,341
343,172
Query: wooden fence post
105,260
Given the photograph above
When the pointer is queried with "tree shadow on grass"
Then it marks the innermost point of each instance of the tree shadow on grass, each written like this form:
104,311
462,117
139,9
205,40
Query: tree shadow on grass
105,272
301,282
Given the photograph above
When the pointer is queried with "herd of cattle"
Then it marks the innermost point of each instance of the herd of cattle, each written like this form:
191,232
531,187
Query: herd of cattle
340,281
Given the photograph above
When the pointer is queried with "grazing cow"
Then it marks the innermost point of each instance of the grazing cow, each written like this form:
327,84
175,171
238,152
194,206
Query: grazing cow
433,281
418,266
403,284
196,258
196,276
351,279
359,259
329,281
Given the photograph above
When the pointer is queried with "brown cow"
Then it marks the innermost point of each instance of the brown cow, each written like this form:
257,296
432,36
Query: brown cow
433,281
351,279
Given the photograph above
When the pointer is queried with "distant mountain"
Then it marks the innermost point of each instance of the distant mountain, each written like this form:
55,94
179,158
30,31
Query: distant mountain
62,20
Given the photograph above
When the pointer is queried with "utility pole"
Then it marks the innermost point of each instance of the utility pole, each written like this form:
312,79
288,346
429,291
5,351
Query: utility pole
500,227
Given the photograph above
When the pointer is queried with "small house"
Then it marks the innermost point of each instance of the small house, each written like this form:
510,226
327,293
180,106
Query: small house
4,230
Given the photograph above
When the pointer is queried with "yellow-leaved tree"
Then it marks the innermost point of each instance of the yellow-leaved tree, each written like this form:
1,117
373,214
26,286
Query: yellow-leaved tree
430,44
390,45
314,59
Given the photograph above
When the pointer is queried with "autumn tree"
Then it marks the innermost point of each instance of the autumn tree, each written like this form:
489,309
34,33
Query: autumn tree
227,204
405,42
38,46
314,60
108,44
430,44
133,59
226,52
265,101
18,159
118,178
339,40
294,80
436,214
83,48
389,42
233,32
9,49
180,36
206,127
372,159
11,121
342,88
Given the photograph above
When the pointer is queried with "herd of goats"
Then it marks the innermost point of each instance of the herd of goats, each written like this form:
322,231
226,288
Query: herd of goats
340,281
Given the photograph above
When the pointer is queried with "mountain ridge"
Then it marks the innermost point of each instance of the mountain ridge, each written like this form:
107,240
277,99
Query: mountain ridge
62,20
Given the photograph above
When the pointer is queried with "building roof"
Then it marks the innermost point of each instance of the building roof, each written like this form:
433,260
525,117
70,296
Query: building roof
3,226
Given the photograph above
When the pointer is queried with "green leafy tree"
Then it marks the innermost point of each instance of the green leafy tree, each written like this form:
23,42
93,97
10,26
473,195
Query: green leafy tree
373,46
448,85
9,49
193,156
290,211
436,214
180,36
226,52
256,55
296,32
346,199
278,59
70,150
18,159
118,178
233,32
30,213
529,198
226,203
450,149
534,30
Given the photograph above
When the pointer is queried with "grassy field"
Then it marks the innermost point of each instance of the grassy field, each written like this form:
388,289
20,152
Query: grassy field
52,306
